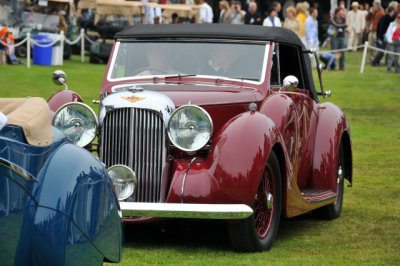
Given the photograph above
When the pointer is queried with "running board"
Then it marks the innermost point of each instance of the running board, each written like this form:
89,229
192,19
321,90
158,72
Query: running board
313,195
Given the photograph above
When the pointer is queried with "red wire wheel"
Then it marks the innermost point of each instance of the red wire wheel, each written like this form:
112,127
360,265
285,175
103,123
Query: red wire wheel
257,233
263,204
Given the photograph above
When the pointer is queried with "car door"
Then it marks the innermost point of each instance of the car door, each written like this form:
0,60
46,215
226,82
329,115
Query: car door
290,63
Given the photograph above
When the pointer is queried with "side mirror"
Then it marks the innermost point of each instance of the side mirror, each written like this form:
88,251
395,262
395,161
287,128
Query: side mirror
59,78
290,83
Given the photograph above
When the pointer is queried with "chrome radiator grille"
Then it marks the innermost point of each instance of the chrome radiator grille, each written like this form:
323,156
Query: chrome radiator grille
135,137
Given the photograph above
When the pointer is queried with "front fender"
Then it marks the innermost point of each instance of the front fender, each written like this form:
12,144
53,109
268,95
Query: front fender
62,97
232,171
332,126
77,205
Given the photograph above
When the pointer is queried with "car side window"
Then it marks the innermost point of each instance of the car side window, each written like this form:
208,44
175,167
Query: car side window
285,62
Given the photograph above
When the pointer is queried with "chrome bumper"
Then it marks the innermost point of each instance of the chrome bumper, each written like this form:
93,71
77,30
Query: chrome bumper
184,210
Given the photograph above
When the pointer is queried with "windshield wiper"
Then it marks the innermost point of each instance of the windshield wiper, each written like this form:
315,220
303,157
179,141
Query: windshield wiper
245,78
179,75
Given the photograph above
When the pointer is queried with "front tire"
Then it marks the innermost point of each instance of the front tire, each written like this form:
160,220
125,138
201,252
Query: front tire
257,233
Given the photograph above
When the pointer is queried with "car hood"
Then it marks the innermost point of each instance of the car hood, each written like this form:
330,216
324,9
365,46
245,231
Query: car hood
203,95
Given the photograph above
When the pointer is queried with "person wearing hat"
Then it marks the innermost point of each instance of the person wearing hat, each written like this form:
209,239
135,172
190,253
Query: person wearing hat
7,38
393,45
355,25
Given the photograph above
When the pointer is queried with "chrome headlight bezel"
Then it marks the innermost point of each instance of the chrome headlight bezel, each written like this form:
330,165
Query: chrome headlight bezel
118,181
92,116
208,119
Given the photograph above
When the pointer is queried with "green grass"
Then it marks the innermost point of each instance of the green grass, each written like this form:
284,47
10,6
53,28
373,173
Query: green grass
368,230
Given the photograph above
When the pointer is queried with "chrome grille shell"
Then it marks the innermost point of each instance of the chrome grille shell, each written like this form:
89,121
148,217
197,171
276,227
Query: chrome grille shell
133,133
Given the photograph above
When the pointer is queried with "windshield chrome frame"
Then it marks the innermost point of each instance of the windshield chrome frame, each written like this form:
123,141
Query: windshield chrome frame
263,72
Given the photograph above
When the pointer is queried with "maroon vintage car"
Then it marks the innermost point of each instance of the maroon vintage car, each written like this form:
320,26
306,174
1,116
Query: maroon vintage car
215,122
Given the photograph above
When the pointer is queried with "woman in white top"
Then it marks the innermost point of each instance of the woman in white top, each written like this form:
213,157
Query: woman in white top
272,20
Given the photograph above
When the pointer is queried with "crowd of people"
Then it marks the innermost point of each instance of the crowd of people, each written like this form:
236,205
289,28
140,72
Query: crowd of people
348,29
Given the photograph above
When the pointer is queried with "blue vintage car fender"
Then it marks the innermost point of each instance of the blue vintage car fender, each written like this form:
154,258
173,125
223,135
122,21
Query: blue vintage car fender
71,215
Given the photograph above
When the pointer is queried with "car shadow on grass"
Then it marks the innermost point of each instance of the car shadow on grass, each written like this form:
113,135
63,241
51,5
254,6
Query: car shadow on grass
207,234
179,233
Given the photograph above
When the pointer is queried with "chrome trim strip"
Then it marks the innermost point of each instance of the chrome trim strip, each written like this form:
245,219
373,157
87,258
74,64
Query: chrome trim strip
18,170
184,177
179,210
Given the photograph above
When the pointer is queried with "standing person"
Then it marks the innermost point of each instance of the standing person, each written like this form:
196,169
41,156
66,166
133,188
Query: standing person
291,22
311,32
237,14
342,5
301,15
393,45
224,12
253,17
272,20
383,25
278,8
206,13
356,23
338,39
376,14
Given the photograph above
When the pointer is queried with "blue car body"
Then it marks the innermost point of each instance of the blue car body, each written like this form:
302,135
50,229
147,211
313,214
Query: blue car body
57,204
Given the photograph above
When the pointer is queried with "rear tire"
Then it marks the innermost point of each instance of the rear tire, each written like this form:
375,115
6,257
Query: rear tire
332,211
257,233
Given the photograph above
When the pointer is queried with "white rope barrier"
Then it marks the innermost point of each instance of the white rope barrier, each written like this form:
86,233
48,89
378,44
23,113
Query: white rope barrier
88,39
45,45
382,50
15,44
343,49
82,37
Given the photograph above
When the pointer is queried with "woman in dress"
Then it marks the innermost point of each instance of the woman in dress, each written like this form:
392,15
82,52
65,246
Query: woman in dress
291,22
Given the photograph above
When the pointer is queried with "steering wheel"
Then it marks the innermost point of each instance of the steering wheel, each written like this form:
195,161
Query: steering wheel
149,68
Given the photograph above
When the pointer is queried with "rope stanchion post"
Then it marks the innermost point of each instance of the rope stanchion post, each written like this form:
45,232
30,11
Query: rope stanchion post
364,57
62,38
83,45
28,50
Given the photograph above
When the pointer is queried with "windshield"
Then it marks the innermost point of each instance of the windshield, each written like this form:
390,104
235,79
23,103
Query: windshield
226,60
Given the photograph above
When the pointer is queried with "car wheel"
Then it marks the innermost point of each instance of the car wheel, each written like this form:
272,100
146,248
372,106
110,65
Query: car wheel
332,211
258,232
20,51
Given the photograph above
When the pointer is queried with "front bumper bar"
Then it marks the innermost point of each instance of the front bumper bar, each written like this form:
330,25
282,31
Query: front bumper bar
185,210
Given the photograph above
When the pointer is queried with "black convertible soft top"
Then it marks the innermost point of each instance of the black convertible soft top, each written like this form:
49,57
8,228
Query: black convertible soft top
222,32
211,31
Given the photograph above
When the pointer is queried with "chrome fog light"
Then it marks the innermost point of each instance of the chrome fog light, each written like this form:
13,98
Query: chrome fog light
190,128
123,179
77,121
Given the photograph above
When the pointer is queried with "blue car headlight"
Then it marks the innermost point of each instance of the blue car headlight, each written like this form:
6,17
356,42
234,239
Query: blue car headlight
77,121
190,128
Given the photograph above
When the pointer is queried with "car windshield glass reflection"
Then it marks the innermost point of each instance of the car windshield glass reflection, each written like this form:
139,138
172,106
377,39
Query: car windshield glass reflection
170,59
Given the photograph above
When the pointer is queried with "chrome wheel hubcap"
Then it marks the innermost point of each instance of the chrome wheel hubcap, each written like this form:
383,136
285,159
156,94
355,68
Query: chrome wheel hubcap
339,174
269,200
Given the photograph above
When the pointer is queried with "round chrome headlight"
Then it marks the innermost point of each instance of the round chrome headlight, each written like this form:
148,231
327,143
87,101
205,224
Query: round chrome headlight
123,179
190,128
77,121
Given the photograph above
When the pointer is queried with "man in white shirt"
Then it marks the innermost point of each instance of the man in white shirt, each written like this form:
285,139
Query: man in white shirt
206,13
311,32
356,23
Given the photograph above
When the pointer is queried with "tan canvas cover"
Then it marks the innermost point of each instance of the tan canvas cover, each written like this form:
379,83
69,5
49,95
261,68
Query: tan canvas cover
33,115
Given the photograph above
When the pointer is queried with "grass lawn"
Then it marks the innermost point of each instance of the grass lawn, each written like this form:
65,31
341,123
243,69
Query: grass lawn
368,230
